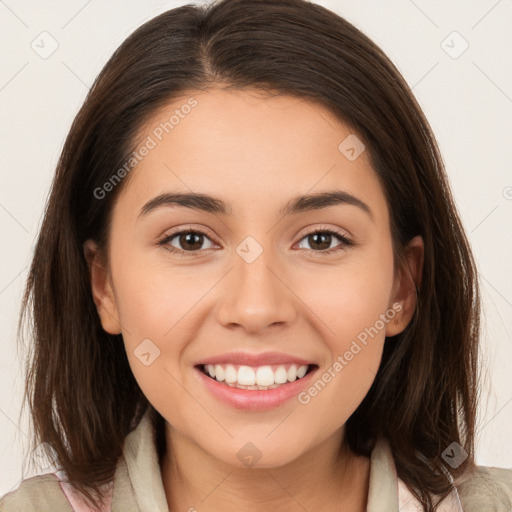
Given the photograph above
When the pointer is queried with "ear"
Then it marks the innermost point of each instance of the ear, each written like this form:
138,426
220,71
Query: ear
408,278
102,290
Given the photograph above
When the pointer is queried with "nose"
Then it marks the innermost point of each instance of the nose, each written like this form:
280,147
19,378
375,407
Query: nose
256,295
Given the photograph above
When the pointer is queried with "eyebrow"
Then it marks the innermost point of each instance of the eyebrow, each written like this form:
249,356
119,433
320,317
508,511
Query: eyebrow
298,204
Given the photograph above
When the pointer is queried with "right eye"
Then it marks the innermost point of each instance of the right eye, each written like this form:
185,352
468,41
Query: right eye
190,240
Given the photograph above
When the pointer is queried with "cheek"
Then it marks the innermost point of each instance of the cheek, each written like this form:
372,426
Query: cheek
153,296
349,296
154,304
150,306
352,304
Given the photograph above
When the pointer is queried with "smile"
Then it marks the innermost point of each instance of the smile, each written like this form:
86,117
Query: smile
255,378
255,388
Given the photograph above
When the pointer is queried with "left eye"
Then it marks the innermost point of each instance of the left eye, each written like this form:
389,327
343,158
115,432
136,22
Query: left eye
192,241
325,237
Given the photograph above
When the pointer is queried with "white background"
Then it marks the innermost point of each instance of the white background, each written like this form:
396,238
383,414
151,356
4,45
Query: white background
468,101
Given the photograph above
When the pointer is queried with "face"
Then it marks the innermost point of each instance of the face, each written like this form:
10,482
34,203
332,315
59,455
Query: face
315,285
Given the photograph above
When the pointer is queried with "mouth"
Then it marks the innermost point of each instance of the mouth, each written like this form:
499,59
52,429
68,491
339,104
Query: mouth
256,378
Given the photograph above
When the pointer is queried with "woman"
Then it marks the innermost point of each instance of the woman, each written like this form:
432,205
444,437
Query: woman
261,369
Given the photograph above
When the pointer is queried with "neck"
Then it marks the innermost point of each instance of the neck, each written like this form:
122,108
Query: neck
329,478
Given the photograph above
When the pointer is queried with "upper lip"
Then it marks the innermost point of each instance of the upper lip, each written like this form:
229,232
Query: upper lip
254,359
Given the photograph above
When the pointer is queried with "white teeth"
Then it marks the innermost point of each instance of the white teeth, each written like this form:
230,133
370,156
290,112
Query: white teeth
262,377
246,376
219,372
230,374
280,375
301,371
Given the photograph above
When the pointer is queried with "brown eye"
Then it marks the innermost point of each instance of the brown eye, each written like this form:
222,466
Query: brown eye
186,241
321,240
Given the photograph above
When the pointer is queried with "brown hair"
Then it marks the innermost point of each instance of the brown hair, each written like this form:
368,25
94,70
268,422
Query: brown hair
83,397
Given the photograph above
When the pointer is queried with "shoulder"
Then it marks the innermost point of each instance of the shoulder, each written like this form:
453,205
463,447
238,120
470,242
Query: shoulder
41,493
486,488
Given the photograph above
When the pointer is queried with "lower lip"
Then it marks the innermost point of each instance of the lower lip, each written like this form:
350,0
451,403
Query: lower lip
253,399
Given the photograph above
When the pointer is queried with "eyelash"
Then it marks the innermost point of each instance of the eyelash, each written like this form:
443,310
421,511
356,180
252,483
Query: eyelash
342,238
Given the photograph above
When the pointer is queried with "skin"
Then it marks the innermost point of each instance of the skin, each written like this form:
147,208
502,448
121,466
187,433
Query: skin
255,153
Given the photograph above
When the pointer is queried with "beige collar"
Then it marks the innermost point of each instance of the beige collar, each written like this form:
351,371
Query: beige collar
387,493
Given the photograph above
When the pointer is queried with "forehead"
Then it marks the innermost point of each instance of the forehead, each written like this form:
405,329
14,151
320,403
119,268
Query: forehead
250,149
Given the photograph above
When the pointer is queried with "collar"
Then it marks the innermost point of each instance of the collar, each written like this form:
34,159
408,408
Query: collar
386,491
